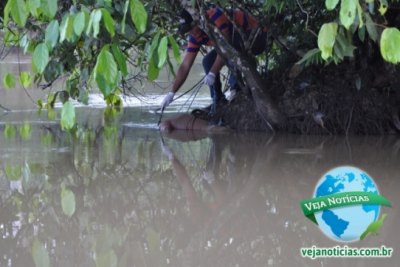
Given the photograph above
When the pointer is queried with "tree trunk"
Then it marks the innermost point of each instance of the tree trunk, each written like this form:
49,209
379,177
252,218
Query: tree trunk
265,106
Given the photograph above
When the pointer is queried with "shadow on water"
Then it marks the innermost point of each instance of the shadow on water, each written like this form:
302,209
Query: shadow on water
113,193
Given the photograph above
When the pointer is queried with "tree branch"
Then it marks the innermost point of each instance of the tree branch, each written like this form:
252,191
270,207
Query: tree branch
265,106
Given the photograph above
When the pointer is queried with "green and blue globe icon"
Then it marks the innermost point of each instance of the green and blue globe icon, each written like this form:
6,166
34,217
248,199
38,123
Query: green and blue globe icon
346,204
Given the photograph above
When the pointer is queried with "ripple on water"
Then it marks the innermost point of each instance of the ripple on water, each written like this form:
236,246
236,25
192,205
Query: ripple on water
141,125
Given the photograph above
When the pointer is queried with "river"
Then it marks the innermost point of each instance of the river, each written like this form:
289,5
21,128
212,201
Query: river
117,192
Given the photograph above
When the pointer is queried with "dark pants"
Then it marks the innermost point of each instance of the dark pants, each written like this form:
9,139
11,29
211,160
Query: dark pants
209,59
216,89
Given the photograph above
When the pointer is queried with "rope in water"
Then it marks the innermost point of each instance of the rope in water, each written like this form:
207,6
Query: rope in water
196,86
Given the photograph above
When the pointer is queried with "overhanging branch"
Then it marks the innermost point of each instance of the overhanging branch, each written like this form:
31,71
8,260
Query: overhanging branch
265,106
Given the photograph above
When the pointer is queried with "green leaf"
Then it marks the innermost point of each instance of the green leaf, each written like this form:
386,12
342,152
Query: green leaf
33,7
105,87
25,131
40,57
371,28
79,23
175,49
371,6
153,47
107,259
67,28
106,72
138,15
120,58
126,5
331,4
326,39
40,254
68,202
52,33
153,71
361,33
19,12
108,22
389,43
95,18
113,100
49,8
7,10
360,15
348,9
25,79
106,65
13,173
51,99
383,7
162,51
9,81
312,56
67,116
343,46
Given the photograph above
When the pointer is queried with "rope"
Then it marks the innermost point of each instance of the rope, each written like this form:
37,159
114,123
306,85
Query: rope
197,85
195,89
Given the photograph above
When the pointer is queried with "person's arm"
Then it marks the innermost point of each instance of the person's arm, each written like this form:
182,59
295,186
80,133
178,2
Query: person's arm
183,71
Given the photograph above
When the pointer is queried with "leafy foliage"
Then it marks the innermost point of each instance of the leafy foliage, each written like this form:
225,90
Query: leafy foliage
358,23
94,44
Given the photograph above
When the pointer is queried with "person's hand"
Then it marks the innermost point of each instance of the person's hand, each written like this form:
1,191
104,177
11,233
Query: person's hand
167,151
209,79
167,100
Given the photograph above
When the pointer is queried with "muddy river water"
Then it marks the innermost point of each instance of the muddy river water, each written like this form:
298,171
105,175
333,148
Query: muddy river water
117,192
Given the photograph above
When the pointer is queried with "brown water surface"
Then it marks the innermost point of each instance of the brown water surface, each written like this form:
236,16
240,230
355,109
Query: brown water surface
143,199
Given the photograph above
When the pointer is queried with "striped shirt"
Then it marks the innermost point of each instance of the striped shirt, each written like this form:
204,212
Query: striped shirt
217,16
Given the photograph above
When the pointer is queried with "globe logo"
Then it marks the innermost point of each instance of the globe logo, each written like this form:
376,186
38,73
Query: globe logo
346,204
346,223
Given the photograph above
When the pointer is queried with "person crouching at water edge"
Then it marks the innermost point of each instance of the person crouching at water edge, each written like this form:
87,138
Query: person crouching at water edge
213,62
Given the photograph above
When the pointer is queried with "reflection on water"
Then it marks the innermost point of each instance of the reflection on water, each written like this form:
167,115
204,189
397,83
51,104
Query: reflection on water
117,194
